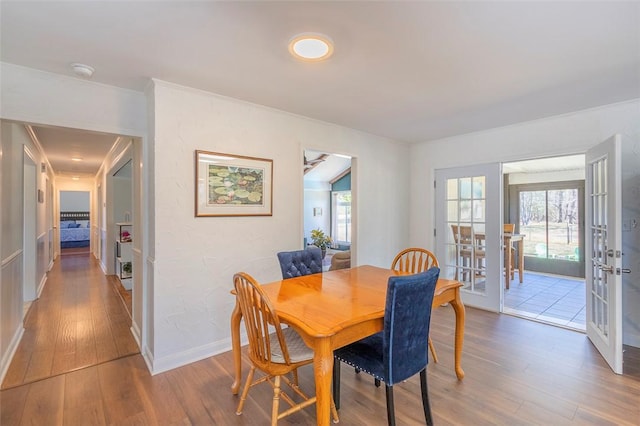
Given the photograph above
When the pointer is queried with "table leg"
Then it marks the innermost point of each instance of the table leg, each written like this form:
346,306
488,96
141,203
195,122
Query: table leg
520,258
458,308
507,261
236,316
322,370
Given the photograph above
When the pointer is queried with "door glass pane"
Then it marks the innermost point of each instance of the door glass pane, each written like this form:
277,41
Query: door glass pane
465,211
465,243
465,188
598,234
452,211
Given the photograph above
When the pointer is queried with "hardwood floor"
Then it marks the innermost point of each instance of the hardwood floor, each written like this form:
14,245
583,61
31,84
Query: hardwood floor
518,372
78,321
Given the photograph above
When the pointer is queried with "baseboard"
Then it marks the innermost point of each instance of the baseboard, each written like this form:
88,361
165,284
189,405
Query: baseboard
175,360
41,285
11,351
632,340
135,332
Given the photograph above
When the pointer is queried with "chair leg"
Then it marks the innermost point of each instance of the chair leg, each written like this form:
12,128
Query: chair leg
391,416
336,383
425,398
276,401
245,391
433,351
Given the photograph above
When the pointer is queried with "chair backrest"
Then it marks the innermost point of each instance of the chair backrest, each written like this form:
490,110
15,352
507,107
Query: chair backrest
300,262
407,317
340,260
260,320
462,234
509,228
414,260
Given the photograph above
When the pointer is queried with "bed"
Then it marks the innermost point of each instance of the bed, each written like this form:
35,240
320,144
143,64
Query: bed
74,229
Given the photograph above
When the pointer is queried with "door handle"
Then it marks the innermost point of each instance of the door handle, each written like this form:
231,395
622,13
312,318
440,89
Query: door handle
624,271
606,268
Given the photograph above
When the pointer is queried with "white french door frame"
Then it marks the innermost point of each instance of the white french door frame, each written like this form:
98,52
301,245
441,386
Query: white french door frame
604,249
491,298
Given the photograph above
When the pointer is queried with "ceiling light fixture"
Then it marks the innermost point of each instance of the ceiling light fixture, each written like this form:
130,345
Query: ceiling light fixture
76,158
311,47
82,70
75,178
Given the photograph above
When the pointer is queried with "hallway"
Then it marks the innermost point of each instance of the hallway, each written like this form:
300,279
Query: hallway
79,321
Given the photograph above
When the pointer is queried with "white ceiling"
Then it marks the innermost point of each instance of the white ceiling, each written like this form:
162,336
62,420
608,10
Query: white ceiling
410,71
328,169
61,145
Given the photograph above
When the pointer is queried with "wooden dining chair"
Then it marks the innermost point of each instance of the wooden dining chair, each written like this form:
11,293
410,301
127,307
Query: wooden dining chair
469,248
415,260
510,228
399,351
274,350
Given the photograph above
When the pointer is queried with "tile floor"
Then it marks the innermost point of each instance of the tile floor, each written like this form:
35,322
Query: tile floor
548,298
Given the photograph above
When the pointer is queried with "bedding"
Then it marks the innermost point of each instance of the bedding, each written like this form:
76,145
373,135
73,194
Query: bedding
74,229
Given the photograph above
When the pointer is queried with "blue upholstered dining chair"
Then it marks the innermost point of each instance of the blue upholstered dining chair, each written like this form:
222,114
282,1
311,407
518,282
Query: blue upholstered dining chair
300,262
399,351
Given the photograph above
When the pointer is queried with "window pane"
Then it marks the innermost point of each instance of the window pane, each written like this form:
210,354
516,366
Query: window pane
341,217
533,222
563,224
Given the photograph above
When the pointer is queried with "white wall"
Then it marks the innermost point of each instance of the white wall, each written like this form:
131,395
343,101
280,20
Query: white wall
14,138
195,258
560,135
74,201
316,199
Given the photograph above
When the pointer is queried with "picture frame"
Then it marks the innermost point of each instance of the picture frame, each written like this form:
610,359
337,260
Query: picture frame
233,185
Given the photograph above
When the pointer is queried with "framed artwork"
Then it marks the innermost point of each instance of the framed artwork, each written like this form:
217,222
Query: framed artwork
233,185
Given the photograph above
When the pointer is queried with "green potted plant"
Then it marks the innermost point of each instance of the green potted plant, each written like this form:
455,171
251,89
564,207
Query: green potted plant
320,240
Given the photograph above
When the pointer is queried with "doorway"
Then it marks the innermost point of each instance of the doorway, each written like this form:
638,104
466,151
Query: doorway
75,225
31,195
328,201
544,199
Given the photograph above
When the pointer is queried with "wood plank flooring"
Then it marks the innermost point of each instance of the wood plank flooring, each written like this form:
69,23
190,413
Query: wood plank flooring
518,372
78,321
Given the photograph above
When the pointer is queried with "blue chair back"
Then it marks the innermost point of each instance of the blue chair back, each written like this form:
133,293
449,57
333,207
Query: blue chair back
407,317
300,262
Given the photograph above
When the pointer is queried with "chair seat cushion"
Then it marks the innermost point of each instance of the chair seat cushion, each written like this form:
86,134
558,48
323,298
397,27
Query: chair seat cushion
366,355
298,350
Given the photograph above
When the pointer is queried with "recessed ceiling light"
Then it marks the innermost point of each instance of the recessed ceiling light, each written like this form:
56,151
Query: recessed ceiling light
311,47
75,178
82,70
76,158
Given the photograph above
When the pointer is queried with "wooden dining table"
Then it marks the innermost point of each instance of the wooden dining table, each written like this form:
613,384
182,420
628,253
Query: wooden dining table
332,309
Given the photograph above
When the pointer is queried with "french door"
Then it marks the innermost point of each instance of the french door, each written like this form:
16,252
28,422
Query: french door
469,232
604,250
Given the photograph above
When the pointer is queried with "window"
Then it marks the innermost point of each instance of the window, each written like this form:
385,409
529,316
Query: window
341,217
550,220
